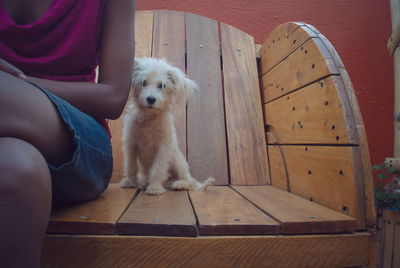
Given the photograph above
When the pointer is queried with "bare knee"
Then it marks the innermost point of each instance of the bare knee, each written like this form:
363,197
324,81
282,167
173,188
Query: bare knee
24,175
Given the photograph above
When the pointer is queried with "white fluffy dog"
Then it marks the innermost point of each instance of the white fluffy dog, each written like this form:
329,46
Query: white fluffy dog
149,137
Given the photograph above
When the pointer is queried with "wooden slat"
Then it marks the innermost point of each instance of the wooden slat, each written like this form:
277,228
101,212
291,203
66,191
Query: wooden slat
281,42
295,214
98,216
143,45
169,43
341,250
244,122
277,168
221,211
391,238
316,114
361,159
207,153
308,63
168,214
324,174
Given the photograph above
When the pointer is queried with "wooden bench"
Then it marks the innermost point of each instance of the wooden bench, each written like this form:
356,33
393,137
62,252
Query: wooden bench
277,125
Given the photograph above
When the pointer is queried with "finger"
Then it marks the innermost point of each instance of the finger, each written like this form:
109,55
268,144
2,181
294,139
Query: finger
11,69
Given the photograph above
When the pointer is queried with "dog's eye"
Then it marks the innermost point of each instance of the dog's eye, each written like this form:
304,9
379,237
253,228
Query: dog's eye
161,86
144,83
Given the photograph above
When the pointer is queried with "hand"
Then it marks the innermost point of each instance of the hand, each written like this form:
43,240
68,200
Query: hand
11,69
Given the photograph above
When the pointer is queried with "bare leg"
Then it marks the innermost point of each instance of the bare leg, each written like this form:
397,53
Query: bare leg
25,202
31,132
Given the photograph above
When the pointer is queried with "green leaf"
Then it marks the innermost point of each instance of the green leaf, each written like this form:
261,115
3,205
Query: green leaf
382,176
391,170
377,167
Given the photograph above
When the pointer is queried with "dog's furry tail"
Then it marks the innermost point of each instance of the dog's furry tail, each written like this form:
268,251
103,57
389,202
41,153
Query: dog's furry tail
202,186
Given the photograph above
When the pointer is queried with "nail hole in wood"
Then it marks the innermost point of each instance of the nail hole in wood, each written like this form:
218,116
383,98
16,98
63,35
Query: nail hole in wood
273,41
309,172
341,172
281,89
311,199
337,138
345,209
293,108
313,66
294,41
333,127
306,149
326,103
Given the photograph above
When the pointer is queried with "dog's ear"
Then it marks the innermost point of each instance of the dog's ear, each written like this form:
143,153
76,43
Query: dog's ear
183,86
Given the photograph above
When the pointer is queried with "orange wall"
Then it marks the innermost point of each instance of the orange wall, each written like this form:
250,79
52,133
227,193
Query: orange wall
358,29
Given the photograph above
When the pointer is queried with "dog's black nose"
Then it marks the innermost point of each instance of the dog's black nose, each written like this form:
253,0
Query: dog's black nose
151,100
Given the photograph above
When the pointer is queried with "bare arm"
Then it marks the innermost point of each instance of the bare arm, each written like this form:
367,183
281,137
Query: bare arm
107,98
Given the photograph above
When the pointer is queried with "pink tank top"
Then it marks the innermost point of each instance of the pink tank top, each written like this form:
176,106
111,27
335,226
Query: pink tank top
63,45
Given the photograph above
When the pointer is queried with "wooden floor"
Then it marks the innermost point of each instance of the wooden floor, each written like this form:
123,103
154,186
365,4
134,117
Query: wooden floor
221,210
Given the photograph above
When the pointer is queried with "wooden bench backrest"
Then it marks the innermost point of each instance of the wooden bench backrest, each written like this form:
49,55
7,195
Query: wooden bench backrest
221,128
316,139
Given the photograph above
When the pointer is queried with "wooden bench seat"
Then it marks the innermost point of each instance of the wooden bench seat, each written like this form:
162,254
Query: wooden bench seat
277,125
222,210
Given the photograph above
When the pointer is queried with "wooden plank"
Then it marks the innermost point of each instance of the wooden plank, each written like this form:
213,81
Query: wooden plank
221,211
205,111
362,160
307,64
98,216
278,169
281,42
325,175
391,238
396,242
169,214
295,214
316,114
143,45
341,250
388,245
244,122
169,43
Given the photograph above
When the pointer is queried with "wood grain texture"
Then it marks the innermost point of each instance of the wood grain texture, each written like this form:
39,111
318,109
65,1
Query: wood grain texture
221,211
391,239
169,43
345,250
295,214
168,214
244,121
206,135
315,114
143,46
278,168
325,175
362,159
281,42
98,216
308,63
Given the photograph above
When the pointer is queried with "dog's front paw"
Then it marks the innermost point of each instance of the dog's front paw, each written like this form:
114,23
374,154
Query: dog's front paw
127,182
155,189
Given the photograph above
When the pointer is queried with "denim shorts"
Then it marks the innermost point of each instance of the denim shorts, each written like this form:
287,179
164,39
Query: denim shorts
89,171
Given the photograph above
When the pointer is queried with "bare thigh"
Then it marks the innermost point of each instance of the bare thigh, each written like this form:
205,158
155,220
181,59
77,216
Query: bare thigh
26,113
